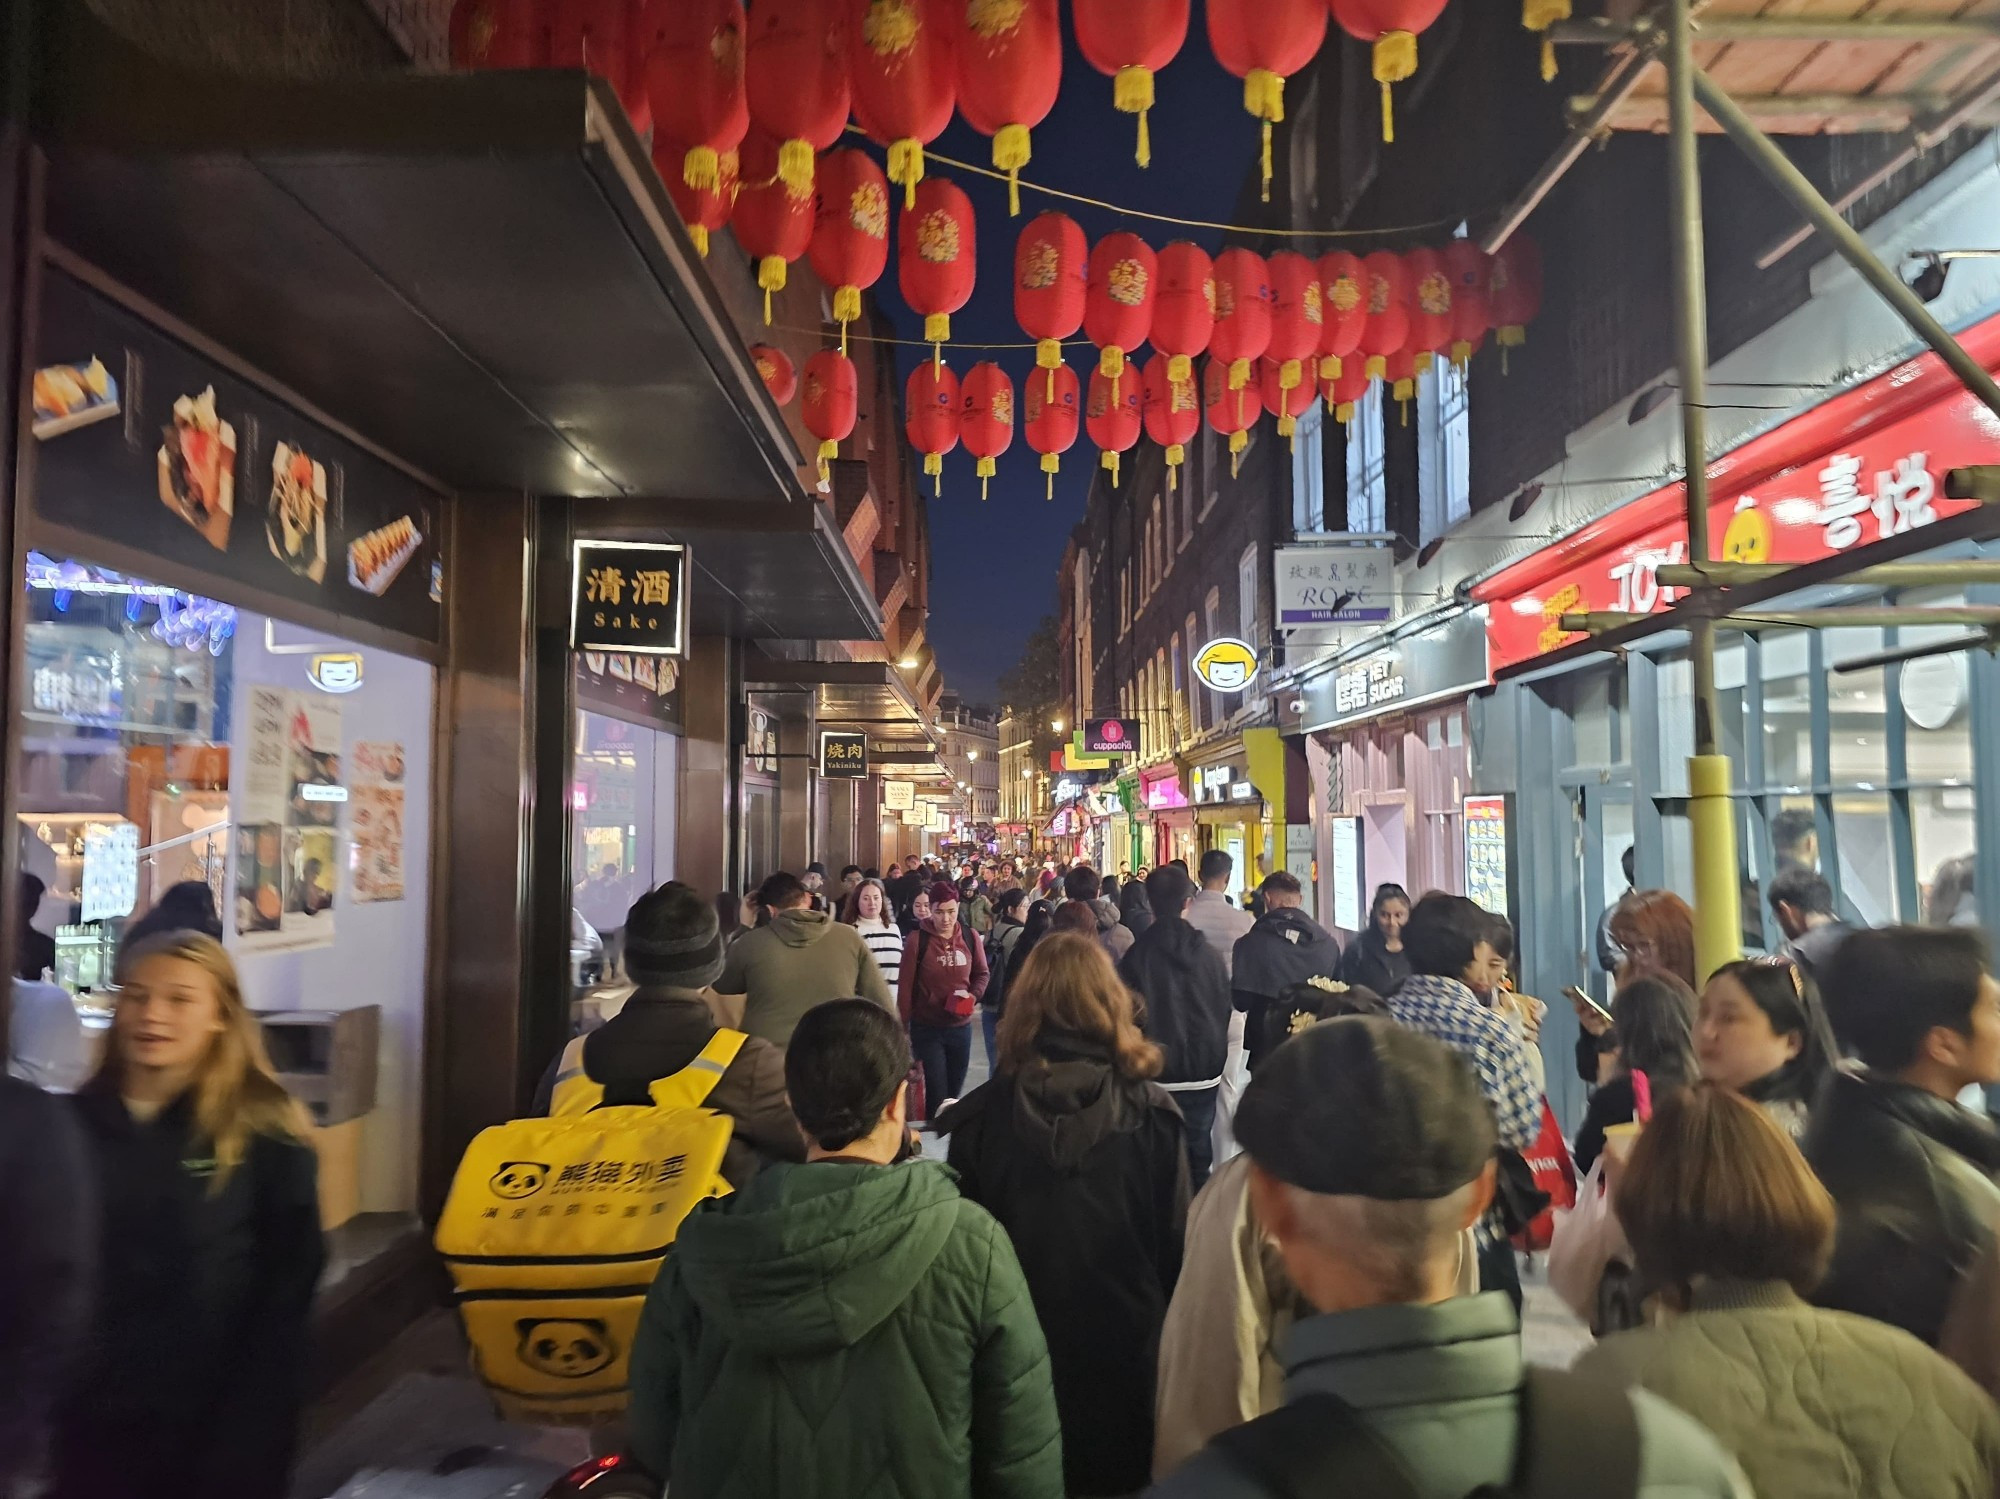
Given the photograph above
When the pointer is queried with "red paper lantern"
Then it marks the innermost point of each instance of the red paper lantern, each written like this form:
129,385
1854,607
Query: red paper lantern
703,210
1242,313
773,223
1286,402
1114,418
1009,66
1346,389
694,78
901,79
1131,40
1297,319
1171,406
498,34
1051,280
850,238
930,414
1184,309
1264,42
795,80
986,417
1049,419
832,396
776,370
1471,301
1514,279
1118,308
1344,305
1431,320
936,256
1392,25
602,37
1388,326
1231,409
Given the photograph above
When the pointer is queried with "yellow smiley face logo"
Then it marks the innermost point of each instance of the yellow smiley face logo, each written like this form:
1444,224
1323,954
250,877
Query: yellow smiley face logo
1227,665
1748,538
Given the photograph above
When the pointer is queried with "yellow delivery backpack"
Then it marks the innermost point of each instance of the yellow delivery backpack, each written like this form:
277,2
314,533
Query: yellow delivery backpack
556,1227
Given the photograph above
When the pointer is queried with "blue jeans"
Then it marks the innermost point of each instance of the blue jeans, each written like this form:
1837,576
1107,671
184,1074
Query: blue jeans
944,1052
1198,1110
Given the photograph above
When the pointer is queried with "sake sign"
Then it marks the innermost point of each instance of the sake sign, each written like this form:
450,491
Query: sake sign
629,596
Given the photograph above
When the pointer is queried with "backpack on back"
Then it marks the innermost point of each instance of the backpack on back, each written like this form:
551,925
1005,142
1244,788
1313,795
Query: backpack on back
1579,1440
555,1228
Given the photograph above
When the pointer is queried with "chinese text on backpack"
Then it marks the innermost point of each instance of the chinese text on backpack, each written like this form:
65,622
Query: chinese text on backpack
555,1228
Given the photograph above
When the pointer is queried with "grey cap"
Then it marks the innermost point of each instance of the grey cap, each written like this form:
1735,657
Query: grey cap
672,937
1361,1107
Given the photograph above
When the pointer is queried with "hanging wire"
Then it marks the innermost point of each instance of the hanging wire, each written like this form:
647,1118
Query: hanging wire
1451,221
922,343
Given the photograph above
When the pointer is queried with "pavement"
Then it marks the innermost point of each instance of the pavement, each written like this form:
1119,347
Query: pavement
414,1424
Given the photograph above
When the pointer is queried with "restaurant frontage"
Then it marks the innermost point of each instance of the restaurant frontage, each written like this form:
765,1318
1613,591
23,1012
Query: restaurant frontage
294,576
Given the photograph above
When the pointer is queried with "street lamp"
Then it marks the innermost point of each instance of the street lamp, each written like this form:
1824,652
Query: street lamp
1056,724
1027,773
972,754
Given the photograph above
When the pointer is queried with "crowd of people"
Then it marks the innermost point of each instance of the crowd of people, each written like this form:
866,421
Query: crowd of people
1235,1213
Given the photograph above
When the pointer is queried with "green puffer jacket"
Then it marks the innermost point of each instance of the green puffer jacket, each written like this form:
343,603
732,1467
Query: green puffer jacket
845,1331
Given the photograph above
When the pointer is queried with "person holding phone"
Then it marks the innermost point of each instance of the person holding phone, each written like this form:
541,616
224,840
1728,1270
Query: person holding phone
1653,1033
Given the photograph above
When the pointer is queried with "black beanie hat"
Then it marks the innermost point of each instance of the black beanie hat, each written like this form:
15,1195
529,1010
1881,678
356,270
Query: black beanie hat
672,937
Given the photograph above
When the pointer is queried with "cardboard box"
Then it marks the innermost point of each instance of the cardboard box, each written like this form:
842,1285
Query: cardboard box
326,1058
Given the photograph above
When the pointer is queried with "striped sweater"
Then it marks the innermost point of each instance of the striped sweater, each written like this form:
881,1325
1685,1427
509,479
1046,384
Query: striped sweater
885,940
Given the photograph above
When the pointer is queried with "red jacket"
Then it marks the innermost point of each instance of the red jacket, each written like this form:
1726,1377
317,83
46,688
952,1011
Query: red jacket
941,980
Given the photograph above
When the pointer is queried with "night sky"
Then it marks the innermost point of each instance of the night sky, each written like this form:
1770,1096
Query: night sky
995,564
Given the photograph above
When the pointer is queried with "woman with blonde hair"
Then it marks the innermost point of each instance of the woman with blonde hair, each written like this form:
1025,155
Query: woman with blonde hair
1084,1161
210,1244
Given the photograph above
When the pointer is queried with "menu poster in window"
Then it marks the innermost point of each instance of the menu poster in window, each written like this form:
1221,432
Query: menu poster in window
1345,855
1486,851
110,869
375,821
288,821
141,439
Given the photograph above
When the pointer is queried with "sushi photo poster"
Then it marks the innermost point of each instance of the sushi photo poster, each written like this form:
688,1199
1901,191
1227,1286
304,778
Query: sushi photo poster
289,815
140,438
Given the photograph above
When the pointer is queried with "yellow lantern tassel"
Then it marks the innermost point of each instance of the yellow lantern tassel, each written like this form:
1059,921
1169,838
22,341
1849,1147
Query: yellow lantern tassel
985,470
771,277
1344,412
1051,465
1290,373
1540,15
1402,390
1329,367
906,167
937,330
1239,373
1110,461
846,309
1012,149
1425,362
698,237
828,451
1288,428
701,168
1132,94
934,466
1376,367
795,167
1238,441
1176,456
1048,356
1548,61
1461,353
1264,97
1395,60
1180,368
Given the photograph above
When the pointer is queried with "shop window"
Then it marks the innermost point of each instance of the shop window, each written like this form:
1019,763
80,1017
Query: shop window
1367,465
1309,472
1674,681
170,738
1936,696
622,818
1867,876
1788,694
1941,825
1592,708
1164,506
1444,430
1155,531
1193,696
1857,711
1124,598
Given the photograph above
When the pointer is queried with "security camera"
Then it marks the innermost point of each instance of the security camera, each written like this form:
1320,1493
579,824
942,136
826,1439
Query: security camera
1298,705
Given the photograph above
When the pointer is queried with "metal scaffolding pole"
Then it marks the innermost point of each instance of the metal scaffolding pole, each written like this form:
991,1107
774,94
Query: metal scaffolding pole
1717,887
1789,180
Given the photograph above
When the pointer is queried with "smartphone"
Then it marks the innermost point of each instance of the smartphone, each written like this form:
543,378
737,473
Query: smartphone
1577,996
